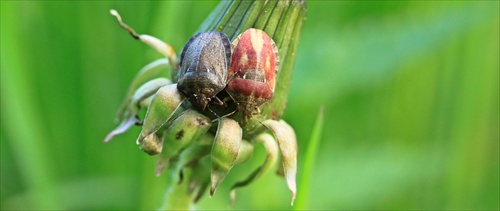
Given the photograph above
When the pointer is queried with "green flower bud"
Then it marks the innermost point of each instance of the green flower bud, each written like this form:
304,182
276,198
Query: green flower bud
182,133
245,152
195,152
152,144
140,99
163,106
225,150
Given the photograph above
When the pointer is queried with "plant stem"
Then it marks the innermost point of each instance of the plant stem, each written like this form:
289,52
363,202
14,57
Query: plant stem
178,196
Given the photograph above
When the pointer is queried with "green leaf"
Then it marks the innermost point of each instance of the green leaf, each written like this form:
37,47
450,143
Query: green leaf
309,162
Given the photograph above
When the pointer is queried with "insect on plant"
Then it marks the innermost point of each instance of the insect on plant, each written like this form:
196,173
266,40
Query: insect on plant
204,67
181,134
254,65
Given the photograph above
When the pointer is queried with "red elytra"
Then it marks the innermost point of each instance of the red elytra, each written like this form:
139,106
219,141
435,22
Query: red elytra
254,65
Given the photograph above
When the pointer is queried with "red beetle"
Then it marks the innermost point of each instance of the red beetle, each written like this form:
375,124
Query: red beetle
252,72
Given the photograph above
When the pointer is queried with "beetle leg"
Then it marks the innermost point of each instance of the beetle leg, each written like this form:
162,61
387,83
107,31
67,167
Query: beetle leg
257,110
227,99
218,118
217,101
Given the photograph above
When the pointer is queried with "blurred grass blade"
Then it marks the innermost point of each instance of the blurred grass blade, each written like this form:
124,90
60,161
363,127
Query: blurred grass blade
22,119
310,160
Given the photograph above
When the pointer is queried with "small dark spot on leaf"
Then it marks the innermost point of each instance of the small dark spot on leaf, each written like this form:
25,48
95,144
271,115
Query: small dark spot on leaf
179,134
201,121
181,176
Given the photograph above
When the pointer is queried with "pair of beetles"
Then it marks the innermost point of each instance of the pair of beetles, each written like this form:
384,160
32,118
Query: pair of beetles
246,70
210,66
209,63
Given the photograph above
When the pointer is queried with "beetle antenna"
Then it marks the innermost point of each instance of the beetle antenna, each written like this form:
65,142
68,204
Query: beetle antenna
254,117
123,25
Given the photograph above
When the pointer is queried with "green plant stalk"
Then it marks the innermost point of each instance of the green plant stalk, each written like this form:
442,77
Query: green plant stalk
310,160
178,196
283,21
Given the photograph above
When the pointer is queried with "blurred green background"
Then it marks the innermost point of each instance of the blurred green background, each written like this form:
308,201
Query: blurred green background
410,93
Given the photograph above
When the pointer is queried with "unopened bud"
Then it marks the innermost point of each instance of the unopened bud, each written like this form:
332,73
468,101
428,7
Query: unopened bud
152,144
135,103
182,133
225,150
163,106
196,151
245,152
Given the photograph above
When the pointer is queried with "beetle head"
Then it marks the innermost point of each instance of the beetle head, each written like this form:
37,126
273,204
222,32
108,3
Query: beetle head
200,88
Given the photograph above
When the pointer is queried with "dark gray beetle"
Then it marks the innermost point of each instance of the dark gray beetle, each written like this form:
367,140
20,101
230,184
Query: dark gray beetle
204,67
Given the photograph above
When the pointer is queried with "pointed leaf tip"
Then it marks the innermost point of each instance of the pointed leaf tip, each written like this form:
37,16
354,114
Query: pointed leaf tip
122,128
287,143
166,101
152,144
224,150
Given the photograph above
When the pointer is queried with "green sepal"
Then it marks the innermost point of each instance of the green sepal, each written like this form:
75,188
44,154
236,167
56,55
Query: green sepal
186,129
245,152
287,142
224,151
153,70
152,144
140,99
166,101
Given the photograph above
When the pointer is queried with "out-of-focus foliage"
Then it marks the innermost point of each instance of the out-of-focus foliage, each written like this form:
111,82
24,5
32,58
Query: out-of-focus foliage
410,93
